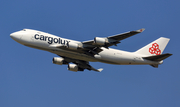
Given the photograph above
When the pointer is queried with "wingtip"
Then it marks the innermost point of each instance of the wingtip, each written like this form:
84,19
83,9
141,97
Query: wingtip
141,30
100,69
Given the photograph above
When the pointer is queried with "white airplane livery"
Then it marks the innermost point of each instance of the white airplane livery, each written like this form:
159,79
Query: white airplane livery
77,55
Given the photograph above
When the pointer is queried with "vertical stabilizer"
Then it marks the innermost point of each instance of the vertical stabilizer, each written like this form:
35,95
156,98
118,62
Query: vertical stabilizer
154,48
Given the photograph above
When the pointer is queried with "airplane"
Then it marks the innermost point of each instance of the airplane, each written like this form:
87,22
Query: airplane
77,55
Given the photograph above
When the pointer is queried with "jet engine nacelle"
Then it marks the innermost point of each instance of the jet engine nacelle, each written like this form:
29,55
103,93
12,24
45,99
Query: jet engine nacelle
100,41
74,67
58,60
73,46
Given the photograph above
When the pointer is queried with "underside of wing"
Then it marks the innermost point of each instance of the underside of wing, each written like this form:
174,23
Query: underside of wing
78,65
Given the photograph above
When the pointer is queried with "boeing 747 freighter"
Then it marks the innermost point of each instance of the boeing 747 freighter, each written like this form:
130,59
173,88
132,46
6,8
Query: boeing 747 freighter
77,55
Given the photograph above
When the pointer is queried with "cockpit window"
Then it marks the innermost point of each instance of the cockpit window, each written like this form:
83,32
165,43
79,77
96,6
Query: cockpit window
24,29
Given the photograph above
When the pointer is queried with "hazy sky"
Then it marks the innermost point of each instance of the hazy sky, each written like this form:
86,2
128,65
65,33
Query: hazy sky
29,79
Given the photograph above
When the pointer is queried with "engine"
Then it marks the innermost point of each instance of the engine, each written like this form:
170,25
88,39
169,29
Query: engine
58,60
74,67
73,46
100,41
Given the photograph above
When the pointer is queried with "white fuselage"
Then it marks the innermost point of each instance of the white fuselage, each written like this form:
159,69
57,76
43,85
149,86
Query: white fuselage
49,42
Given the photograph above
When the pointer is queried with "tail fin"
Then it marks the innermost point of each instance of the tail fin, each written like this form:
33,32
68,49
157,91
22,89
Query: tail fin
154,48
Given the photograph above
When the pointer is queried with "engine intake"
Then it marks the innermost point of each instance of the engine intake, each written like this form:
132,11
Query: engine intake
74,67
100,41
59,61
73,46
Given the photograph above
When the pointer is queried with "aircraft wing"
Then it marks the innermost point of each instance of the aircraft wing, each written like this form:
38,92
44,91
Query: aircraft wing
81,64
113,40
93,47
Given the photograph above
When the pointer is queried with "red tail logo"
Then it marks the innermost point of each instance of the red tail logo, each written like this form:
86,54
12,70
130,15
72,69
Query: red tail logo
155,49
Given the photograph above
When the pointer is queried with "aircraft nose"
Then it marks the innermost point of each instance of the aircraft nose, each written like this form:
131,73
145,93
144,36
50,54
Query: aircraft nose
15,35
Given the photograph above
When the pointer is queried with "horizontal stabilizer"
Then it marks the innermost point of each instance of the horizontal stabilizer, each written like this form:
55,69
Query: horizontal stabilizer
158,57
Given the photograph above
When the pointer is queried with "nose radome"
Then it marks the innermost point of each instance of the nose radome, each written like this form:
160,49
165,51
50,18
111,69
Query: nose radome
15,35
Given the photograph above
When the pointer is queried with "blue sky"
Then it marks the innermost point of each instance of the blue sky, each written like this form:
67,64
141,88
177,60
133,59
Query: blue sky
28,78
